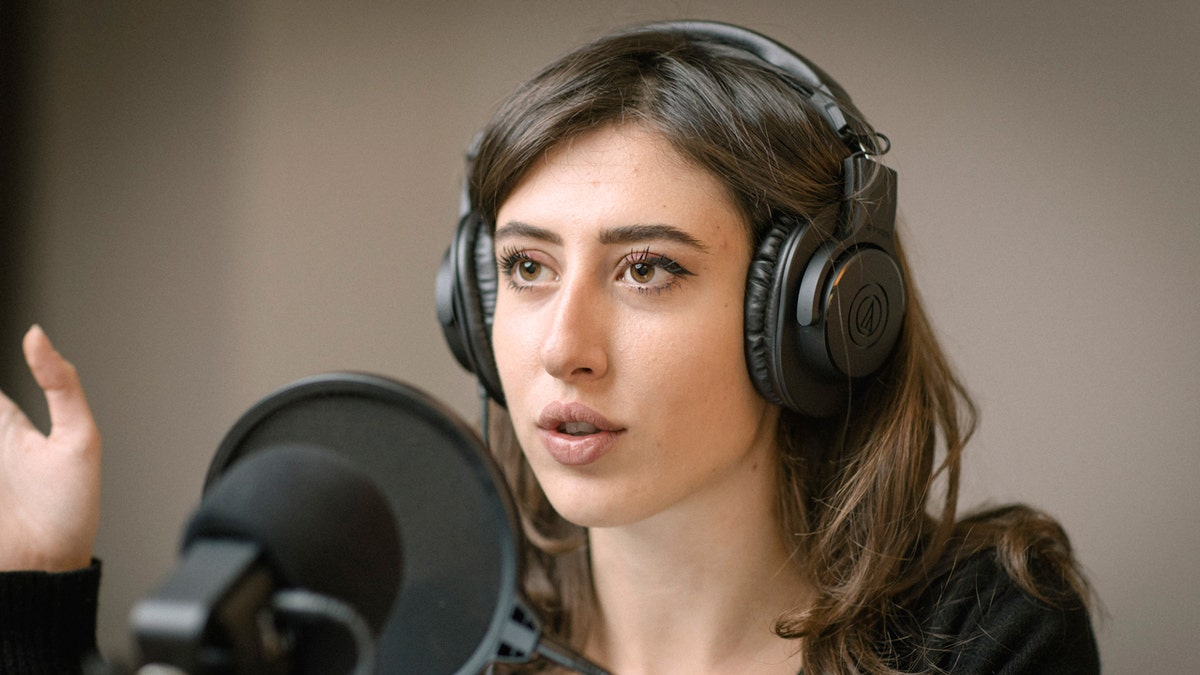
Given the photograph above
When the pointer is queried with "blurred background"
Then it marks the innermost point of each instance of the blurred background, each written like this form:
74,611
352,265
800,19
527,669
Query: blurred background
205,201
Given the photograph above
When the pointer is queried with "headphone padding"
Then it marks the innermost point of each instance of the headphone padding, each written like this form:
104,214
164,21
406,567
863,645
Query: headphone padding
476,293
762,311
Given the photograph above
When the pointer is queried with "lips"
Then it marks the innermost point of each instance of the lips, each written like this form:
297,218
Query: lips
576,435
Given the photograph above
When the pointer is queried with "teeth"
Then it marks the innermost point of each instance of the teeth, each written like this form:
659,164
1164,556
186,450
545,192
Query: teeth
578,428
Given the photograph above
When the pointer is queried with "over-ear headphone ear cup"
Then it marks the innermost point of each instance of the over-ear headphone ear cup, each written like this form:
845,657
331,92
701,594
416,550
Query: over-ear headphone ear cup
774,354
449,314
466,299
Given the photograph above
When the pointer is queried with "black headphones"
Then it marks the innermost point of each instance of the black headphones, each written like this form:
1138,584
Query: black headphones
820,311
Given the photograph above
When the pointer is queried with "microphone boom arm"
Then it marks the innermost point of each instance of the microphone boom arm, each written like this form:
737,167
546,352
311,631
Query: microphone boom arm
206,617
522,641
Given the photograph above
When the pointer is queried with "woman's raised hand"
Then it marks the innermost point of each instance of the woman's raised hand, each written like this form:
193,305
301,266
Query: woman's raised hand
49,485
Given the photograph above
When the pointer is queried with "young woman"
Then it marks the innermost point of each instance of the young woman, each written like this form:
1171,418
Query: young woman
726,414
733,439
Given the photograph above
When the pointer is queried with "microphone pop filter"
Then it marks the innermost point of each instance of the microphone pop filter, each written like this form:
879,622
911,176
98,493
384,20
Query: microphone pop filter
454,517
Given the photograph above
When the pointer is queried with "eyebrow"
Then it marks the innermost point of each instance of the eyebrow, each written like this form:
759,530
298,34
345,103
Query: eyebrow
626,234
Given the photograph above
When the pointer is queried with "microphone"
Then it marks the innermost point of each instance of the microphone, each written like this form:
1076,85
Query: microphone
291,563
451,606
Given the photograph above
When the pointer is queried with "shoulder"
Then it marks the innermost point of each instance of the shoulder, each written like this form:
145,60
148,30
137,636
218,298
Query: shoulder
974,618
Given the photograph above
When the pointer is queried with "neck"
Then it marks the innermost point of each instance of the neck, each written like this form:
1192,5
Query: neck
698,588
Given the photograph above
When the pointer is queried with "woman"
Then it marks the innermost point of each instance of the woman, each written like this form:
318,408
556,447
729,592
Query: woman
724,410
712,482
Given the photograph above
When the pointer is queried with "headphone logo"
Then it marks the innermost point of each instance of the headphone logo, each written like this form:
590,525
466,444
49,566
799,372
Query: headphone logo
868,315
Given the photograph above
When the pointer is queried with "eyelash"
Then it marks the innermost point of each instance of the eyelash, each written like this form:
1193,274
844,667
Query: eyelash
511,256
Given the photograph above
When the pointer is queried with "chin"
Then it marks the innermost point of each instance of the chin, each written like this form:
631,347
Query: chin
590,505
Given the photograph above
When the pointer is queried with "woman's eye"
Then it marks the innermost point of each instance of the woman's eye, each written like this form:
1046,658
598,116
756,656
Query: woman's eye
648,271
520,268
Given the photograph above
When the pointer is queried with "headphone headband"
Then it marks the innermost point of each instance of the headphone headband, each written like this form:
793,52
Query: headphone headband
813,78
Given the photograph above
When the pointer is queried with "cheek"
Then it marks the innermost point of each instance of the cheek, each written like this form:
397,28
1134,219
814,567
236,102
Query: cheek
511,347
706,413
701,361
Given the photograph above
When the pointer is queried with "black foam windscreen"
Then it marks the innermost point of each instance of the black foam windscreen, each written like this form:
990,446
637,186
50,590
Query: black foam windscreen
459,577
319,519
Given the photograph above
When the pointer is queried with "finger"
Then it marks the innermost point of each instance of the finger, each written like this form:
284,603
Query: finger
70,416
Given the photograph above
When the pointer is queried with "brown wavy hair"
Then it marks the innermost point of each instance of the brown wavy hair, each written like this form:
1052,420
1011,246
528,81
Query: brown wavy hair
868,497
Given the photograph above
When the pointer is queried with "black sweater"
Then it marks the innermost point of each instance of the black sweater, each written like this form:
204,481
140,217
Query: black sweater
47,621
973,620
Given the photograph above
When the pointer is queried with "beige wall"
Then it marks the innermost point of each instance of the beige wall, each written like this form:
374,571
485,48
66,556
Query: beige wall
229,196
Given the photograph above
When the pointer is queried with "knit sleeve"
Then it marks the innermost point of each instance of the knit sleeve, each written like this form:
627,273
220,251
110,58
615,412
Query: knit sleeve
47,621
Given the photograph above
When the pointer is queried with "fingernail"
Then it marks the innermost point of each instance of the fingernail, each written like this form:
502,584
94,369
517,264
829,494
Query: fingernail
37,328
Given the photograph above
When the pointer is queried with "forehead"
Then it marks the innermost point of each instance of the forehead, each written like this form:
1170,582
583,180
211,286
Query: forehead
619,175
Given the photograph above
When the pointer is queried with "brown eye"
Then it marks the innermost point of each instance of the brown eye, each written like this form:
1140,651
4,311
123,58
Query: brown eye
641,272
529,270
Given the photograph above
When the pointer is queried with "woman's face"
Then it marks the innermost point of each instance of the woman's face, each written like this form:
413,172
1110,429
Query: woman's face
618,330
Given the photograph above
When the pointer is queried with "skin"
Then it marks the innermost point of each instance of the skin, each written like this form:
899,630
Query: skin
49,484
641,327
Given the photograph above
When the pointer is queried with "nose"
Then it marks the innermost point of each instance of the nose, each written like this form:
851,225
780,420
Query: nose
574,347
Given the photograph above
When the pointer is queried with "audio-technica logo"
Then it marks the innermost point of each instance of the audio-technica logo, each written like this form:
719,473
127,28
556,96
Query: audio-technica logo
868,315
